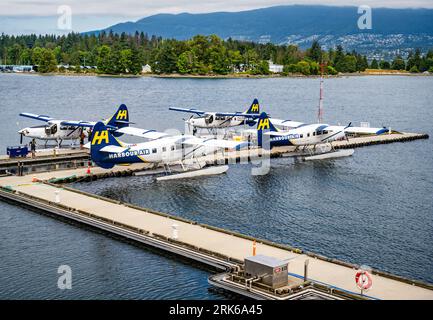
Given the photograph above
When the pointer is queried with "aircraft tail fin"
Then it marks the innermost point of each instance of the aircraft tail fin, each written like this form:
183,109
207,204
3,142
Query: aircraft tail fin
120,118
264,124
254,107
101,138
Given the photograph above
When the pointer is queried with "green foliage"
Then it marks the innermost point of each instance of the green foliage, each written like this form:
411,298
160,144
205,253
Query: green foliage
331,70
374,64
124,53
48,61
315,52
385,65
414,69
398,64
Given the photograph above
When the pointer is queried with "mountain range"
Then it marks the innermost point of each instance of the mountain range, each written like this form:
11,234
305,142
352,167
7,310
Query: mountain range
394,31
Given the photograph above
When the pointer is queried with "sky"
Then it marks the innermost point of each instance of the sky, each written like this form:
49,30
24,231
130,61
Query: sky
42,16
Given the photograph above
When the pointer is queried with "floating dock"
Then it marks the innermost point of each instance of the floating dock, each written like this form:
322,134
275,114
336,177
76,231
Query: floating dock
222,249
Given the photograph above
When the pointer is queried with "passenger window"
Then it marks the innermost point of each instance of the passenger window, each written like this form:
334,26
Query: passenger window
172,148
314,133
301,135
154,150
308,134
164,149
325,131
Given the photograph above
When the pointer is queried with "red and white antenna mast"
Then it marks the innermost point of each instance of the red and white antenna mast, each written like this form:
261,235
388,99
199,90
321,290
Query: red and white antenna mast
320,111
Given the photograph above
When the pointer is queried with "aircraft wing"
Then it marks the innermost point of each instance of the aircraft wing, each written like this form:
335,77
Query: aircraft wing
36,116
85,124
192,110
366,130
286,123
237,114
142,133
216,143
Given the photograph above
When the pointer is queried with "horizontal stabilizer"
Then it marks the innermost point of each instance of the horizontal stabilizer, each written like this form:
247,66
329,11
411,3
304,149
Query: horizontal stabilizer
113,149
142,133
286,123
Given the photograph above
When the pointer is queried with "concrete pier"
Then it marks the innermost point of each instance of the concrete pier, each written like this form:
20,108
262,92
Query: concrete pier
217,247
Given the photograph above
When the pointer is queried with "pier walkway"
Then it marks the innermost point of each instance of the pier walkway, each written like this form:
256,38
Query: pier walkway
214,242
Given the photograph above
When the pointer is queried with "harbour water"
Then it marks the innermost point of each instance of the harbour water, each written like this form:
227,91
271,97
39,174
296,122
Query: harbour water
374,208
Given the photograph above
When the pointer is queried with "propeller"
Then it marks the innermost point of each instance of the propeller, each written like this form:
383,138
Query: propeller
345,135
21,138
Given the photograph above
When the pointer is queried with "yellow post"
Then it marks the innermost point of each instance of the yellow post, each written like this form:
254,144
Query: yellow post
254,247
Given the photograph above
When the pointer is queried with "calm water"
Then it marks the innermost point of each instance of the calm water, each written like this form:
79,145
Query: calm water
374,208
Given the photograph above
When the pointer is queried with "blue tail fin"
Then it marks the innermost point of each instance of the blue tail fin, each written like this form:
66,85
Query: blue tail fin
264,124
120,118
99,139
254,108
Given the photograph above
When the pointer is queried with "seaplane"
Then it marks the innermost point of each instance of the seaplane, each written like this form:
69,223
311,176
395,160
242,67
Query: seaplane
314,140
219,120
160,149
59,130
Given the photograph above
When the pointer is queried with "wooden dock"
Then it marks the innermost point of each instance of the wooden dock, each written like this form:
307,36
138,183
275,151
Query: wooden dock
222,249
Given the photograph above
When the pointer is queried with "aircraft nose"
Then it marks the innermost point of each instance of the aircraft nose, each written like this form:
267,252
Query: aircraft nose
24,131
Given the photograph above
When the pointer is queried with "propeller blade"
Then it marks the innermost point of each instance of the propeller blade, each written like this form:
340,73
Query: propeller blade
21,138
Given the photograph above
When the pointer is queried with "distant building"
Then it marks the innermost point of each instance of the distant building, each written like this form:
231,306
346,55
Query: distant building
16,68
275,68
146,69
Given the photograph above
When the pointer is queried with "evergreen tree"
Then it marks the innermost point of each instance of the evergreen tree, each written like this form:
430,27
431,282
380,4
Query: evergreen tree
48,61
398,63
315,52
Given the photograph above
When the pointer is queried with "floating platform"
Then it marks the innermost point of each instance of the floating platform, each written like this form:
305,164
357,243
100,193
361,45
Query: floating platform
222,249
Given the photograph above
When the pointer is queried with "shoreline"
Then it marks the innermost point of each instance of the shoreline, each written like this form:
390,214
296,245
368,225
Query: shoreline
228,76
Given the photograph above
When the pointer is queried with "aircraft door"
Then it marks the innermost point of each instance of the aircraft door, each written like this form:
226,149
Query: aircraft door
51,130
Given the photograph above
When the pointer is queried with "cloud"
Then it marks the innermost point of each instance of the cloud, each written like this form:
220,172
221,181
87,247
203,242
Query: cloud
142,8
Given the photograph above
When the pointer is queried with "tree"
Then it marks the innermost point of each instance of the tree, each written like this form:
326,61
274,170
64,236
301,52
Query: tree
36,56
261,68
398,63
124,61
414,69
235,59
315,52
374,64
48,61
165,59
385,65
346,64
187,63
104,62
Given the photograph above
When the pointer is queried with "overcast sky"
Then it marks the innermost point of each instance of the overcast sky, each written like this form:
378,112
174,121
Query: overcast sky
40,16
